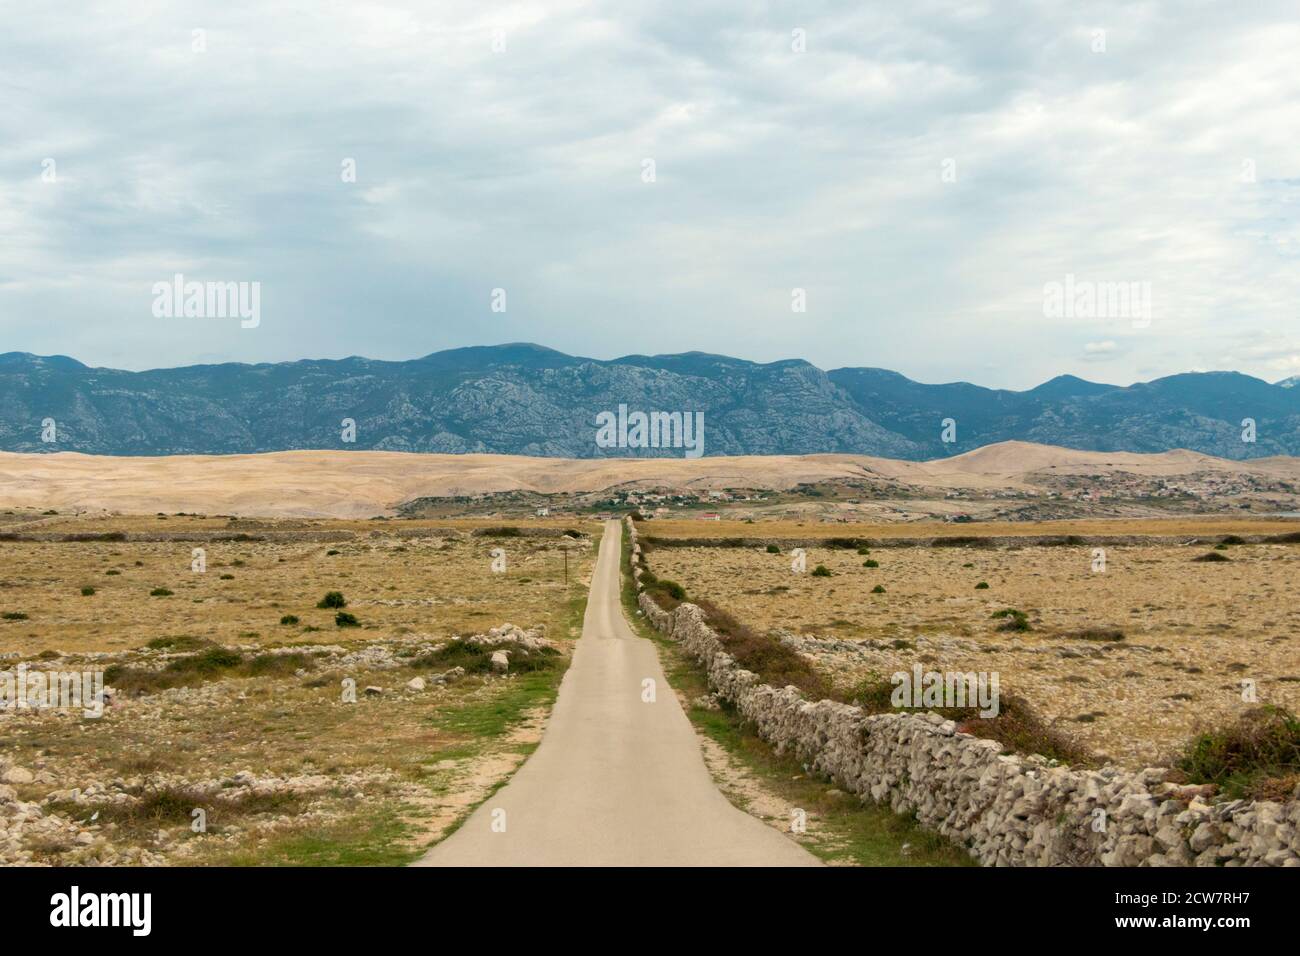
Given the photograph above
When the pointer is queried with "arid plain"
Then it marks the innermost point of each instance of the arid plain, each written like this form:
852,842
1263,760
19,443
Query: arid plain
305,727
1128,647
226,682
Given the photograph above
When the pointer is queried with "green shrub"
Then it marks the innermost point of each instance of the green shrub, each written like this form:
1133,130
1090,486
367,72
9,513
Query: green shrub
773,549
1096,634
210,662
332,599
501,532
878,589
982,586
1012,620
13,616
478,660
207,662
671,588
289,619
346,619
847,544
160,592
871,563
279,665
1257,756
87,591
1211,556
821,571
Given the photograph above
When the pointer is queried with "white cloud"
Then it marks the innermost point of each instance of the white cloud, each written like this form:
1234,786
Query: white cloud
775,169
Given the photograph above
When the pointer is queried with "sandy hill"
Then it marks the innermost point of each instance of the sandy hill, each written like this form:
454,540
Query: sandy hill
365,483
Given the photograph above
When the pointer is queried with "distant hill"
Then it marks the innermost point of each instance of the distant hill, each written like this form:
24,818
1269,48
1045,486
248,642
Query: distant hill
528,400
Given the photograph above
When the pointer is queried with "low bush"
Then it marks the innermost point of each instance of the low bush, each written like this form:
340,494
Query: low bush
279,665
499,532
1016,726
775,663
175,805
478,660
1257,756
847,544
1012,620
208,662
1095,634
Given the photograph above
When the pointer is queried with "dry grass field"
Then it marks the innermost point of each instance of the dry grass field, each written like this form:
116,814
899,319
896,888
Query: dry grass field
228,686
421,580
362,484
1184,526
1130,660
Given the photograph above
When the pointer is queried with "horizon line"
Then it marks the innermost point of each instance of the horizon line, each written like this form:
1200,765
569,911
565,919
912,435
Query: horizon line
641,355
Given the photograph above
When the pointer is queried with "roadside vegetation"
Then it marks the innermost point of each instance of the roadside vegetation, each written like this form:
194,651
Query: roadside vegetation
841,829
1017,726
1256,756
229,697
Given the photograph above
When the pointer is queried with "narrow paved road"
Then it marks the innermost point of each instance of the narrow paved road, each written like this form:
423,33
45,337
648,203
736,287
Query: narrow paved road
615,781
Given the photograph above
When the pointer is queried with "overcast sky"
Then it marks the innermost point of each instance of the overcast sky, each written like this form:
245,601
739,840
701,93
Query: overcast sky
922,170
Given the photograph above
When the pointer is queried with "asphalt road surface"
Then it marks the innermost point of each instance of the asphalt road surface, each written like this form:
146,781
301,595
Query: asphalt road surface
616,781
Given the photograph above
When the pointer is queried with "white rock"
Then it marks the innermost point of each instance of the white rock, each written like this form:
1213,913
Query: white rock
415,683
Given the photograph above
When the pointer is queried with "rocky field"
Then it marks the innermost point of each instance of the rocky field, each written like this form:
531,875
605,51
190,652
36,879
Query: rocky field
243,723
1131,659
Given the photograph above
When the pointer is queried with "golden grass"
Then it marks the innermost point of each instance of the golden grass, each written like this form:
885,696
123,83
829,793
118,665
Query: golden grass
394,585
1189,628
1207,526
412,758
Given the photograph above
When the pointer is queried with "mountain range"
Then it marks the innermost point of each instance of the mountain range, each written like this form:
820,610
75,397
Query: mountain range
525,399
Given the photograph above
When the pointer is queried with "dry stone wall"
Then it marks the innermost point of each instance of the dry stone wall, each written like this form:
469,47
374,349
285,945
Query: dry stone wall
1007,810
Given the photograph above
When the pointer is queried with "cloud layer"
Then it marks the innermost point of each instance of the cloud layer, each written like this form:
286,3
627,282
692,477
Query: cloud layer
921,170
